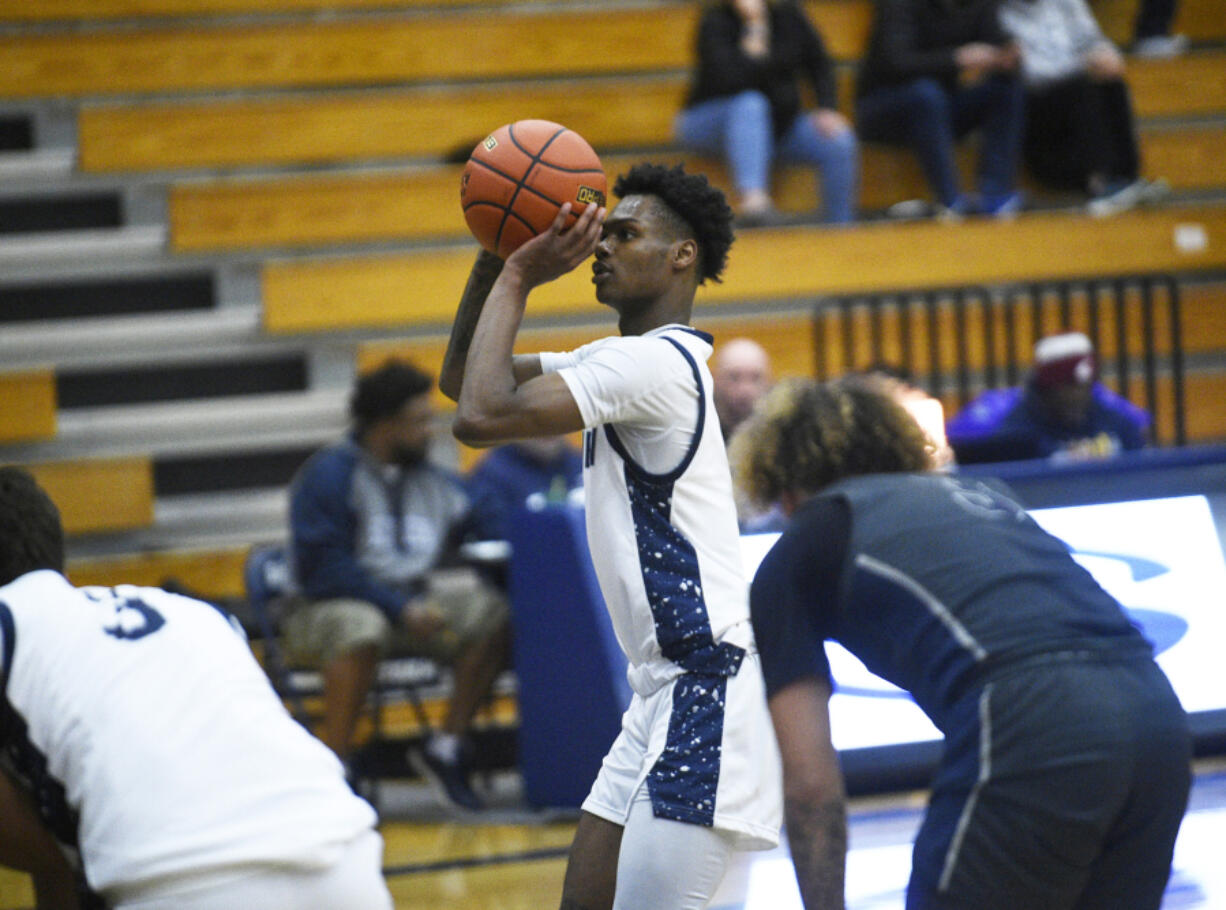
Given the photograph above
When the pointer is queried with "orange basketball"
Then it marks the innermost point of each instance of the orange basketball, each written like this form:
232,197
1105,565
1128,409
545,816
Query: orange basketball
520,175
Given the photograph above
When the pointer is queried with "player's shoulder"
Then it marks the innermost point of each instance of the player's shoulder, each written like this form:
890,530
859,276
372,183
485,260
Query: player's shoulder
41,585
673,346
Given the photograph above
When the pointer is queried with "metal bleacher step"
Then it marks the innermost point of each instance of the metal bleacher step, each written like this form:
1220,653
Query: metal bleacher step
104,244
36,164
209,427
202,521
82,343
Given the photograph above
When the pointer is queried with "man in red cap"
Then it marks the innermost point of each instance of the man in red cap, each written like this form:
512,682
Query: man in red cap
1061,412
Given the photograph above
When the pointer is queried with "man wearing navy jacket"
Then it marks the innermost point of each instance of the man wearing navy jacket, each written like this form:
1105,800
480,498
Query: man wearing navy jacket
372,523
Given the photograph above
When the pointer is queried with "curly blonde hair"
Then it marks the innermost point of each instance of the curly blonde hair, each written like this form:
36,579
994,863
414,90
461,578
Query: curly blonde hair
804,435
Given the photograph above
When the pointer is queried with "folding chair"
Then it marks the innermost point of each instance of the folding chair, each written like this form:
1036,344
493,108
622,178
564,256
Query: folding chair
266,576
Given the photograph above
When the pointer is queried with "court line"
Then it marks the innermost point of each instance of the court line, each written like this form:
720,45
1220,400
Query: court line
469,862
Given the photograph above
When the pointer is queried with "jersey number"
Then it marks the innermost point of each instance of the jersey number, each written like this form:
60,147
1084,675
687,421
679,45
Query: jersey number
133,619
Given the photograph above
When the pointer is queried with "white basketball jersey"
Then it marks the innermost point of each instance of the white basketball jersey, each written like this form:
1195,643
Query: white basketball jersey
661,522
153,741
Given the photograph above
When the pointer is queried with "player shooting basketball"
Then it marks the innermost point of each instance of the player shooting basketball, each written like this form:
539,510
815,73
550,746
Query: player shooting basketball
694,774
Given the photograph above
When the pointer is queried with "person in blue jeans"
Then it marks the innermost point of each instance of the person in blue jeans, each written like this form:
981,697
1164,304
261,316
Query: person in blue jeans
936,70
745,107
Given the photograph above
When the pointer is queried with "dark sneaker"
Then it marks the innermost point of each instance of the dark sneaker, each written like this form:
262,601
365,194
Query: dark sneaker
756,218
450,781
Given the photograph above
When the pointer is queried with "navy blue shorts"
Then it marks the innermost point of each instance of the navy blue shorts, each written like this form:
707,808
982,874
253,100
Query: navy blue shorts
1063,788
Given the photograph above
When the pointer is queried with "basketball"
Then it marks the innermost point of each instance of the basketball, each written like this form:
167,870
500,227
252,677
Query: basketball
518,177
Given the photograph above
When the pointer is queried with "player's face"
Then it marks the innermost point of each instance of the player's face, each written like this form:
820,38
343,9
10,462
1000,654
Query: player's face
1069,404
633,261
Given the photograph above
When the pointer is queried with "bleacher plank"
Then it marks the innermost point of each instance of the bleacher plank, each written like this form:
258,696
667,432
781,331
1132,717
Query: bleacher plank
211,573
1190,85
1200,20
87,10
304,211
1189,159
477,44
421,289
844,23
69,10
29,398
340,127
98,495
420,204
469,46
611,112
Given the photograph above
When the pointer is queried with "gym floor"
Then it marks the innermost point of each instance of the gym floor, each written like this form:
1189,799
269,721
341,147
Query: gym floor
513,858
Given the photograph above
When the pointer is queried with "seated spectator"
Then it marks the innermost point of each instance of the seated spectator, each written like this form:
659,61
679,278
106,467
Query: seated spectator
741,374
373,524
936,70
1062,412
508,475
1079,131
745,106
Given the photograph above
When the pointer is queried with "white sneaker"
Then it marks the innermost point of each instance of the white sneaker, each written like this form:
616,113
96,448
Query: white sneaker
1118,200
911,208
1160,46
1156,190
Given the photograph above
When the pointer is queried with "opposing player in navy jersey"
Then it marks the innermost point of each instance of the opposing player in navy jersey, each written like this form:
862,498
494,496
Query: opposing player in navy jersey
694,774
1065,772
145,761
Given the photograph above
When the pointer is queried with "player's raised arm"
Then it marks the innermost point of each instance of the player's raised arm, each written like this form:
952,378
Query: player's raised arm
485,272
496,401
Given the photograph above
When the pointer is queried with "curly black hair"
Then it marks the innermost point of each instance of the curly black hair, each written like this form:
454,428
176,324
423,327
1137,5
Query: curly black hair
705,212
31,535
382,392
804,435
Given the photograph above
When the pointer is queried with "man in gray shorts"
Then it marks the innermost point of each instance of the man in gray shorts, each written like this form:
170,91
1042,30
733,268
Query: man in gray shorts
373,524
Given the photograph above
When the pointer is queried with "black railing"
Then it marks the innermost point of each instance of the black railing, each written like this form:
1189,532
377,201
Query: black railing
958,341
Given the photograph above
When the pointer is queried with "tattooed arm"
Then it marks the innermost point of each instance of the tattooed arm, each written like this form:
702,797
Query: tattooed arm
485,272
813,793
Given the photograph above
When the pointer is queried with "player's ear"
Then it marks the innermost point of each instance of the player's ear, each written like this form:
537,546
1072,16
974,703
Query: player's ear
685,253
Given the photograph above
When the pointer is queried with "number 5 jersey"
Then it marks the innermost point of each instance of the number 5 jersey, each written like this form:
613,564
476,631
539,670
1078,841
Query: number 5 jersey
153,744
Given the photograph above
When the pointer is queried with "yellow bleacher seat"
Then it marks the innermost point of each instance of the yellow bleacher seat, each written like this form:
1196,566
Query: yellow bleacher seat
99,495
29,405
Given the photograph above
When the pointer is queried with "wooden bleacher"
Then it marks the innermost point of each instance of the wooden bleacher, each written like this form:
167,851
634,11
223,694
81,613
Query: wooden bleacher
215,574
1200,20
507,41
421,288
29,405
420,203
610,111
472,45
99,495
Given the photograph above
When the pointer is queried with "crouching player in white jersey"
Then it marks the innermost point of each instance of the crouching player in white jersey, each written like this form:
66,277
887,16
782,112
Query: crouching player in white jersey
694,774
145,762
